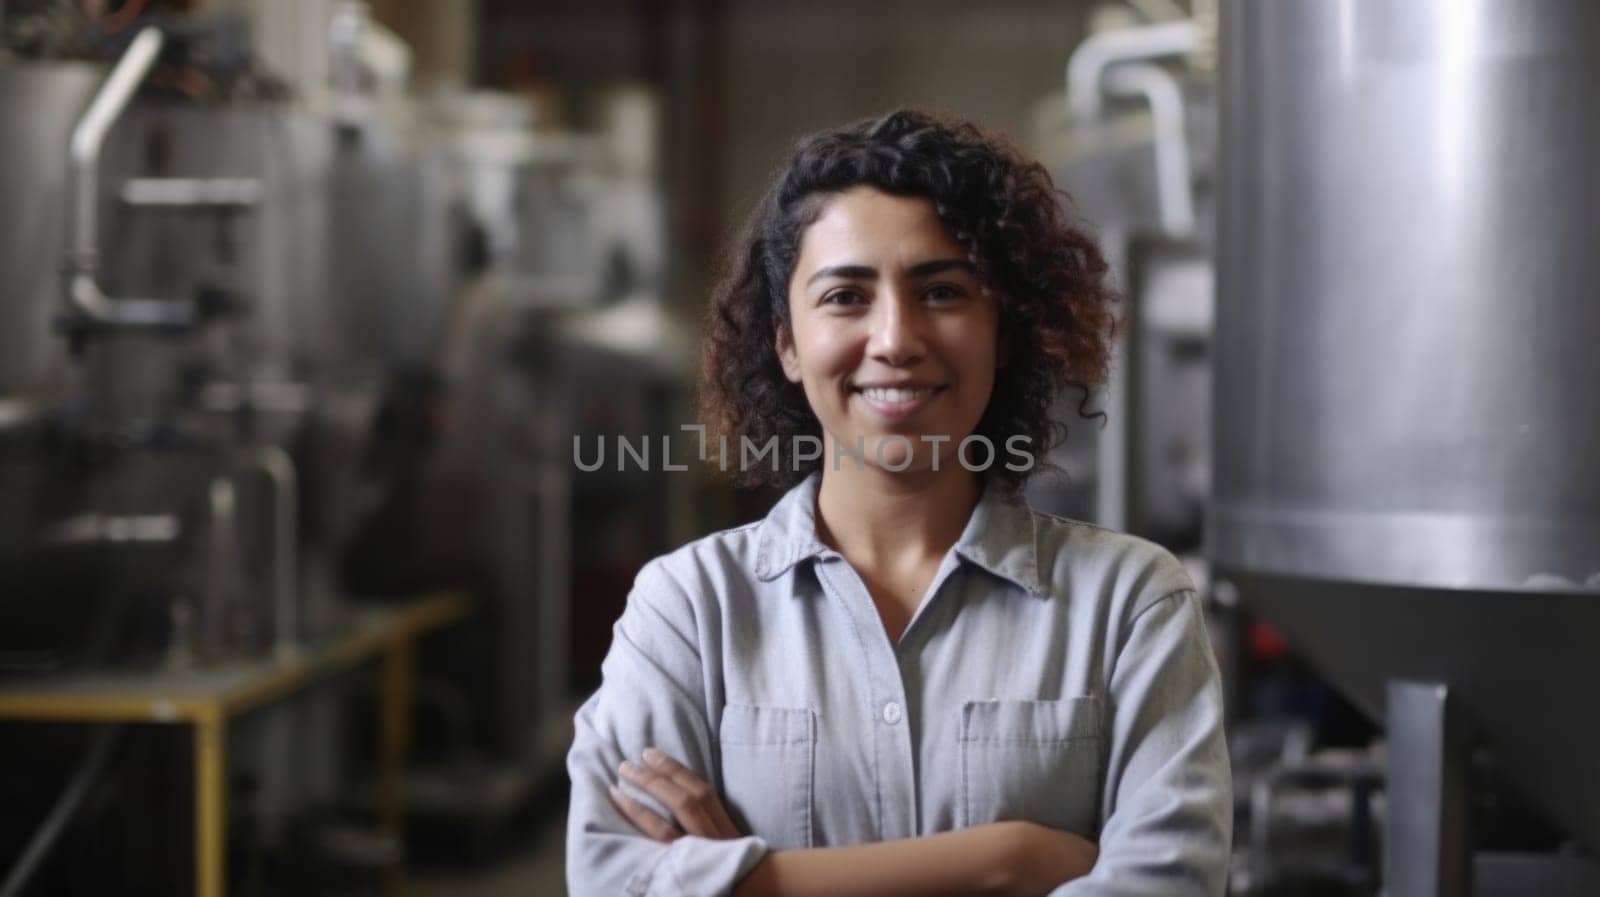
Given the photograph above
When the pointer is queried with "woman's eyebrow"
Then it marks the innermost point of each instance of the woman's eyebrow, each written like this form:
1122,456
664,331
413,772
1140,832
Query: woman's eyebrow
848,272
866,272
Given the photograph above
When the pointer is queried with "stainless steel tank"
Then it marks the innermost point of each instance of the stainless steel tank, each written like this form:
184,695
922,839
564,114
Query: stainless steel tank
39,104
106,457
1407,439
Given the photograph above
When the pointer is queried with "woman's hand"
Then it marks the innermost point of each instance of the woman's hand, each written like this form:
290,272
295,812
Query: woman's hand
1040,858
694,803
1017,858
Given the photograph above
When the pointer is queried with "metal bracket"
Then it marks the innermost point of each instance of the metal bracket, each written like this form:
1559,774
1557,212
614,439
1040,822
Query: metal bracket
1427,851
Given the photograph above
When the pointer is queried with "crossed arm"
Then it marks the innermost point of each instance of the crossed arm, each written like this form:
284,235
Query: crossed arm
1004,858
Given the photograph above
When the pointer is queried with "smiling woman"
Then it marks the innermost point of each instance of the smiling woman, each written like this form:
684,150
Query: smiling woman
984,233
903,680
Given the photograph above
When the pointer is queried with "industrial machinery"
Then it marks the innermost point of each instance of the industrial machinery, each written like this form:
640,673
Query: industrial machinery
282,343
135,371
1407,431
152,499
1131,140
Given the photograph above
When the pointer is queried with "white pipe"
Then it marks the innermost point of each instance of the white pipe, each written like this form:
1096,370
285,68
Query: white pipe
279,469
1174,196
221,565
84,296
89,303
16,413
1157,10
89,137
1089,62
219,194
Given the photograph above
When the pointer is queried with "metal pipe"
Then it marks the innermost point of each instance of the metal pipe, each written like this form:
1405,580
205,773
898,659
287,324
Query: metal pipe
39,846
279,469
225,397
16,414
1089,62
116,529
219,194
1161,90
89,137
89,304
220,568
85,299
1157,10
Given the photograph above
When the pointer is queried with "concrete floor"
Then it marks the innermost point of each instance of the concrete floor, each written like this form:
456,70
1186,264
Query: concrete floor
535,869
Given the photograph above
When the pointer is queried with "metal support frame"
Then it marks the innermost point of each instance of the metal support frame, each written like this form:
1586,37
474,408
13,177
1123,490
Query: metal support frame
208,702
1427,851
279,469
1534,875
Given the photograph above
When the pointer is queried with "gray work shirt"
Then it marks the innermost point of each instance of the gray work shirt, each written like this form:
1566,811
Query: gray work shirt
1055,671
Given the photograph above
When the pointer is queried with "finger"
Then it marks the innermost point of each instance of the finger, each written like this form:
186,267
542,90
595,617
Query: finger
719,815
644,819
687,806
698,789
687,811
663,762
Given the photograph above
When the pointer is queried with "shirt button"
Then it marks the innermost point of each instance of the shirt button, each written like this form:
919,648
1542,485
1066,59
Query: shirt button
891,713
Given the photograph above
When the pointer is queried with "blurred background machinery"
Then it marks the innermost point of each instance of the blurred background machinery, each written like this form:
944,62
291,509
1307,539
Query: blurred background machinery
289,342
303,304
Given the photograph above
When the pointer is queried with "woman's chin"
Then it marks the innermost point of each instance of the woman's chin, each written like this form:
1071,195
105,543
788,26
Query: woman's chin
903,452
895,458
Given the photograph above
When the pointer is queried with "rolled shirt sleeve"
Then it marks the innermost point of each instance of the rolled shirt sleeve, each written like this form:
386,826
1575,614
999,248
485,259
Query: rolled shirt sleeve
652,694
1167,803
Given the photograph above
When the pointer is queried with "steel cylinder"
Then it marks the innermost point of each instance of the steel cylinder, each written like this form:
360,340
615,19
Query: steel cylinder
1407,396
1407,379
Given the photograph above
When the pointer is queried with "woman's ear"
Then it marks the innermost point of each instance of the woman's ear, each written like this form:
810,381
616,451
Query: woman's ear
786,353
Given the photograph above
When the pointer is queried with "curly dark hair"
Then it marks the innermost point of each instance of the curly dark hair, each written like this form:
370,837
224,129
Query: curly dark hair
1058,311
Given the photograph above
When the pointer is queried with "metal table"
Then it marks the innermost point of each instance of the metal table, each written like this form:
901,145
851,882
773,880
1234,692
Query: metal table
208,698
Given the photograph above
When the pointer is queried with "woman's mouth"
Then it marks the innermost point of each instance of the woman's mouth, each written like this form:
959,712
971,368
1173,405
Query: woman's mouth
897,401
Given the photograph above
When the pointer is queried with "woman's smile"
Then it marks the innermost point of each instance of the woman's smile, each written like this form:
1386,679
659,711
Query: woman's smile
897,403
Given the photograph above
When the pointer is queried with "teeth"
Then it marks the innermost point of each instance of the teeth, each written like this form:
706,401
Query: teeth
879,394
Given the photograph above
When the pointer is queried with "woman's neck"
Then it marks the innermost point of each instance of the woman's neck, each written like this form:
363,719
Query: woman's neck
881,519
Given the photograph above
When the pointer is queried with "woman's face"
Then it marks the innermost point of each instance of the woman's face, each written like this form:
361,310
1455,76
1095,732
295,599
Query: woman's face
891,331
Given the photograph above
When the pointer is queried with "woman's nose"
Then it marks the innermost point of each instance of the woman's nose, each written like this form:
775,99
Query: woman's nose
897,336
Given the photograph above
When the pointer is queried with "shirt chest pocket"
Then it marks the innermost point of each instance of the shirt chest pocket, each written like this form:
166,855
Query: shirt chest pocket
767,761
1031,760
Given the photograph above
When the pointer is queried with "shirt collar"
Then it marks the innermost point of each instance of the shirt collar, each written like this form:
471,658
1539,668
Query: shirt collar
1000,536
788,535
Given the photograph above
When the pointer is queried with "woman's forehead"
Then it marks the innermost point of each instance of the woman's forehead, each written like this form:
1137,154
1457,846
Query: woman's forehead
864,224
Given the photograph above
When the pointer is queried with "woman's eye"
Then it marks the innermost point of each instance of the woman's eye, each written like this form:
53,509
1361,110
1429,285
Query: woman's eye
843,297
944,293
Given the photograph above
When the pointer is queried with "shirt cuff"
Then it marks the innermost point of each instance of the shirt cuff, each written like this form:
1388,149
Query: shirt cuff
693,866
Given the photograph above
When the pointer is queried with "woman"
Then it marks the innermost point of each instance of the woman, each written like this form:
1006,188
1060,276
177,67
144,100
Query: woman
902,680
